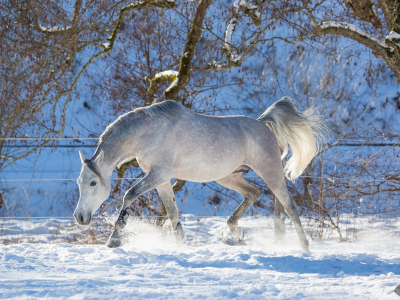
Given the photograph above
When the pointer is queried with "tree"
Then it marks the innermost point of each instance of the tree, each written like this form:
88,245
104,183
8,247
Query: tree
374,25
44,45
147,51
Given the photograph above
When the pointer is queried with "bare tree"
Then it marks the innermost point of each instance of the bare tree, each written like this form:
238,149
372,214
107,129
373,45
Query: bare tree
50,54
43,42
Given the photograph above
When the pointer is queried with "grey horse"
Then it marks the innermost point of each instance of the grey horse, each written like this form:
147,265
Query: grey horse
171,141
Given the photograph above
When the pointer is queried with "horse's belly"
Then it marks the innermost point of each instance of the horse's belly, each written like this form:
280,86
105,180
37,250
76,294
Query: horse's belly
199,175
206,169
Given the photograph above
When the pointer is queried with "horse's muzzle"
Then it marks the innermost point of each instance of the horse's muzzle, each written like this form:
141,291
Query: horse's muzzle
81,220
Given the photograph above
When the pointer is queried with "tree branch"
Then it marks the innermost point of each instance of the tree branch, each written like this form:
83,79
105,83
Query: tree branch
178,185
160,78
353,32
184,67
363,9
251,11
134,6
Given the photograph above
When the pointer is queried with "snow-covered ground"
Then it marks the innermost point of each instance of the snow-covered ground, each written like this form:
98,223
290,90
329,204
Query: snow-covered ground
210,265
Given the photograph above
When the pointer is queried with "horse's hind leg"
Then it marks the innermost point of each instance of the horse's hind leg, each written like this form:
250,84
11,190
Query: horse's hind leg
275,179
250,194
279,220
168,198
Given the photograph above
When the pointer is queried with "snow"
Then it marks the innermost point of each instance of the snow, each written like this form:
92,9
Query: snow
106,45
237,4
393,36
245,4
354,28
174,84
167,73
151,265
234,57
54,28
229,30
216,64
228,40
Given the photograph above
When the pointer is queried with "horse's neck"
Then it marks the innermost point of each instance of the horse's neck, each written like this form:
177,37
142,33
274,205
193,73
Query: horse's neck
118,146
114,154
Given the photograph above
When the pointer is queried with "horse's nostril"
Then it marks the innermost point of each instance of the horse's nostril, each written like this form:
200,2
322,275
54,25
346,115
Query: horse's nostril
81,218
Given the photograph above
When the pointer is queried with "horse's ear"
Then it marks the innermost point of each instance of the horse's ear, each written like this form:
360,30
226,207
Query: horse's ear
83,158
100,157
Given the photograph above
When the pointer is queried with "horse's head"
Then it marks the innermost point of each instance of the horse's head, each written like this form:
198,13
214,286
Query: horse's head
93,189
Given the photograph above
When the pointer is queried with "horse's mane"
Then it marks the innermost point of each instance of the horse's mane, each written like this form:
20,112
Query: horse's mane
166,109
92,167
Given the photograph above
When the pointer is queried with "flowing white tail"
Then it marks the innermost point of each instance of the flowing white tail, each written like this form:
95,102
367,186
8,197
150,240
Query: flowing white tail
301,133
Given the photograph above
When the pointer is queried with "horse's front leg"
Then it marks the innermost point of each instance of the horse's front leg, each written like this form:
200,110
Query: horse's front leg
155,178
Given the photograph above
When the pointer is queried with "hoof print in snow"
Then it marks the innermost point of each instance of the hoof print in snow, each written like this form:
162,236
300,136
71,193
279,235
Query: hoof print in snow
397,290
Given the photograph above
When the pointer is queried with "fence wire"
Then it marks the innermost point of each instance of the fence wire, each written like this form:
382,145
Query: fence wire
135,178
337,142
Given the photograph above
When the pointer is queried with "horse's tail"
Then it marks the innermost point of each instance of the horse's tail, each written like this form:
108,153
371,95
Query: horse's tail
301,133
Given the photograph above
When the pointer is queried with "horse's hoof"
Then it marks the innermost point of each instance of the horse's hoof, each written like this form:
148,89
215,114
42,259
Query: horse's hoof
114,242
238,234
180,236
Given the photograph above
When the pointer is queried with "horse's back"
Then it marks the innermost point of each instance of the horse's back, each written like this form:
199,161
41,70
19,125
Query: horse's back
209,148
240,130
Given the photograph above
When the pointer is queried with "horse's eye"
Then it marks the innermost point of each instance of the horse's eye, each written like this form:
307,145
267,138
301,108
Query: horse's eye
93,183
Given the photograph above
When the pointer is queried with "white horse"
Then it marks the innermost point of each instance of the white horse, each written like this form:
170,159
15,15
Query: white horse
171,141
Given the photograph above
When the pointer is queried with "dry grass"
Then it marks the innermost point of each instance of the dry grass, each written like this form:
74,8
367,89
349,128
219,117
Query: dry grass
52,230
59,230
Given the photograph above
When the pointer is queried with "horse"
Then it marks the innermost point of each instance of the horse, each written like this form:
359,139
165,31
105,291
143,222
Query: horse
171,141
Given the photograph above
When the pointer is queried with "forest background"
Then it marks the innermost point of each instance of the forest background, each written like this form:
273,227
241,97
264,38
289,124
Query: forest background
70,68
